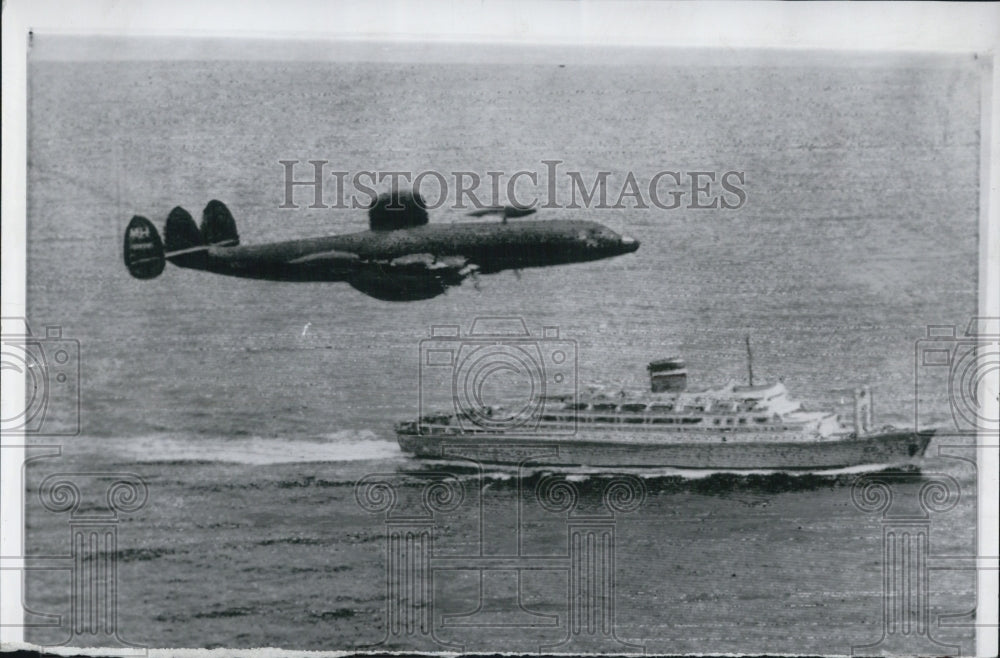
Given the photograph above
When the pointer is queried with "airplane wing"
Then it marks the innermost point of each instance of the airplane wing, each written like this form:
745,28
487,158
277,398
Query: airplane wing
411,277
503,211
405,278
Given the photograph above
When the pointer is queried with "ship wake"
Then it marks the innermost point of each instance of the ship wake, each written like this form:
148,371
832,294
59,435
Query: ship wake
340,446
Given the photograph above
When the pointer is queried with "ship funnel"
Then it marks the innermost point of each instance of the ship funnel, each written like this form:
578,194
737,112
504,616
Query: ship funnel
667,375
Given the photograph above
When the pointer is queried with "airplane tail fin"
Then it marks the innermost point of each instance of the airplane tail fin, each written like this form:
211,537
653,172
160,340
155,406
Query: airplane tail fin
218,228
184,243
143,249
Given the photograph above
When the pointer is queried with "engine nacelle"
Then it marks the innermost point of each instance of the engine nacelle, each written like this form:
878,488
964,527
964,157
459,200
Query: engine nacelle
397,209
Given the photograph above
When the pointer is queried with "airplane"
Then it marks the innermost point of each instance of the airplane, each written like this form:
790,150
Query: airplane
400,258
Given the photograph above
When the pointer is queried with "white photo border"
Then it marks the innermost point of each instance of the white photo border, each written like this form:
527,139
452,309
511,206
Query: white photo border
723,27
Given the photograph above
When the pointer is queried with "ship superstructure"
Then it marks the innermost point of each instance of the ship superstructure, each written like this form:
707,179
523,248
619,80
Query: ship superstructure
733,427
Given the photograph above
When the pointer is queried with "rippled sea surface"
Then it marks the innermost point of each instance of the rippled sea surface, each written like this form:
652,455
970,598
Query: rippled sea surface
252,408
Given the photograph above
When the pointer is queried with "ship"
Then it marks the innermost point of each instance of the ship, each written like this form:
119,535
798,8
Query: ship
732,427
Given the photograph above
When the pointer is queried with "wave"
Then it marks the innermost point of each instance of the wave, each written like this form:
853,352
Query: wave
582,473
667,480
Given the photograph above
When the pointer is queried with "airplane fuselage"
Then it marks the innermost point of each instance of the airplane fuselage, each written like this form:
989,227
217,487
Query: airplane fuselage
492,247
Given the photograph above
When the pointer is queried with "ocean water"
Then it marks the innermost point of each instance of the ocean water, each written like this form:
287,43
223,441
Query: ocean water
252,408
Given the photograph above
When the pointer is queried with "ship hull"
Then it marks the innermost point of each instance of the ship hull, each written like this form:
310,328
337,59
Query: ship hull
888,448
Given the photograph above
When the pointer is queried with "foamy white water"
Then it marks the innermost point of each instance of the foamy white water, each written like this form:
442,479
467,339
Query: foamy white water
342,446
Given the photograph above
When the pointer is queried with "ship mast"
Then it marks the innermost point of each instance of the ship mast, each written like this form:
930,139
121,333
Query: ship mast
749,360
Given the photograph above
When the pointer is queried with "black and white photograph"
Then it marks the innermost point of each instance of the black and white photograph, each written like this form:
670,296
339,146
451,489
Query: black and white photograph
556,328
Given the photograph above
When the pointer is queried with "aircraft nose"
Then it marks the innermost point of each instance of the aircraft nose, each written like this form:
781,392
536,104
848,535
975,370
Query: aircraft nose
629,243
